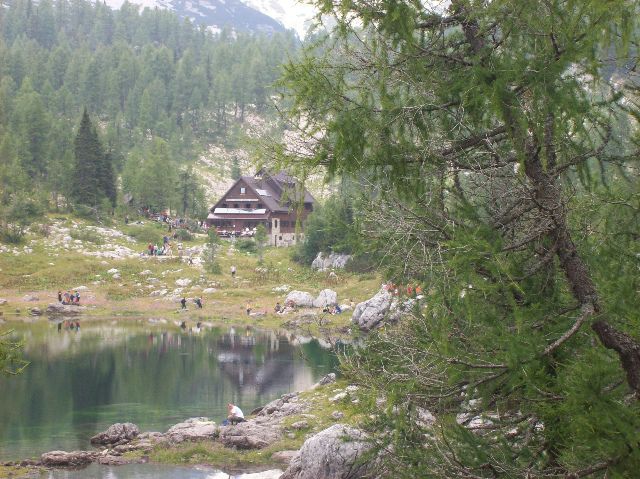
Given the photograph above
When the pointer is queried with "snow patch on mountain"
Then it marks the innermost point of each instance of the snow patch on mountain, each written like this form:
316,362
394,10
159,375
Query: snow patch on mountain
293,14
214,13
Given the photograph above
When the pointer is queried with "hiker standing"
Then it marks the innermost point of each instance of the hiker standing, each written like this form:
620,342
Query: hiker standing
233,271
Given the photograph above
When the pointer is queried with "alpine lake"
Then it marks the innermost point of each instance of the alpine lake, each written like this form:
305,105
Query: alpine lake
82,380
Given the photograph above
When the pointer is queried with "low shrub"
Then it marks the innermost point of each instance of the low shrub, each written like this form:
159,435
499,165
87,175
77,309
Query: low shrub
183,235
362,263
147,233
246,245
86,235
86,212
11,235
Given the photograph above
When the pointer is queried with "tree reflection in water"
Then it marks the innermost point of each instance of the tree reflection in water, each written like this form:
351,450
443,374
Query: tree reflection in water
79,383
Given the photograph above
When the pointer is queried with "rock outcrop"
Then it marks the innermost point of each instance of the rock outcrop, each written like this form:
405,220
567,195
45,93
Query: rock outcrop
382,307
254,434
324,262
119,433
68,459
266,428
371,313
261,431
192,429
57,309
300,298
327,297
335,453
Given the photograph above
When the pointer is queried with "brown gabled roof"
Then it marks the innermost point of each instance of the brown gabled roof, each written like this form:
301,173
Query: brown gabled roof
280,185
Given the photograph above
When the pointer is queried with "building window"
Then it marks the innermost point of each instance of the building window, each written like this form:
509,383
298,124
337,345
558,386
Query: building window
280,237
224,205
275,223
236,205
248,206
285,224
243,190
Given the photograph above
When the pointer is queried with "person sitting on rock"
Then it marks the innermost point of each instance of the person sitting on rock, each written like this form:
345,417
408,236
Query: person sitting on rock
198,302
278,308
235,415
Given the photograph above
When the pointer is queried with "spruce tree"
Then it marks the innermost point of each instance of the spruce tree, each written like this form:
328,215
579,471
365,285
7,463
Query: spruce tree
93,178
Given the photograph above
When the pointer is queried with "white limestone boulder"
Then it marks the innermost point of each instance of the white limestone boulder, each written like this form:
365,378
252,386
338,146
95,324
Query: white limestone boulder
300,298
327,297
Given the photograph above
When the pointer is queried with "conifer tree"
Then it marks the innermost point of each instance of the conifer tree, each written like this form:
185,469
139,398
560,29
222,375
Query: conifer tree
489,135
93,178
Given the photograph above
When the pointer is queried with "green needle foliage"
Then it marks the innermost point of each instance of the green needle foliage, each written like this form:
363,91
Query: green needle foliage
144,75
11,362
93,180
499,143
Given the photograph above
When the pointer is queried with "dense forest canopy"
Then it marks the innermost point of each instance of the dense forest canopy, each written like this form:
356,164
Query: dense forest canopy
144,77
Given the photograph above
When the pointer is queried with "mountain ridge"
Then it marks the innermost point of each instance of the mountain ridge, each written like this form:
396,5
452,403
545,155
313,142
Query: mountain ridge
249,15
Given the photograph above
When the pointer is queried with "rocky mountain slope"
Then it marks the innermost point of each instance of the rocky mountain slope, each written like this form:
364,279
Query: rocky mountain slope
251,15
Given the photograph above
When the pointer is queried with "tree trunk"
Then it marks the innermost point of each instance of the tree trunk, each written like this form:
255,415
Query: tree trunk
548,195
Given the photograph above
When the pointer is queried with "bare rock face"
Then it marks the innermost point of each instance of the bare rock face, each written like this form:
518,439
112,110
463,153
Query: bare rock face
287,405
335,453
118,433
300,298
331,261
192,429
400,308
371,313
253,434
327,297
266,428
328,379
68,459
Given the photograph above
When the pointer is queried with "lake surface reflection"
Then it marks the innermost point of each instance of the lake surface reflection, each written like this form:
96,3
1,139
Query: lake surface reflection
153,471
80,382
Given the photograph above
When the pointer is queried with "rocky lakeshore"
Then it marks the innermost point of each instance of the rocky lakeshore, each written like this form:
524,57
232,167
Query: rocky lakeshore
306,432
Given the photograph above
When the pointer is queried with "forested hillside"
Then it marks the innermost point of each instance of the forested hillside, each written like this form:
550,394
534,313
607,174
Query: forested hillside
158,89
499,149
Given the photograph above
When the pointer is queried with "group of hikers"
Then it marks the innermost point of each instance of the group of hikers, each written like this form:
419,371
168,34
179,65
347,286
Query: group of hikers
154,250
197,301
69,297
288,306
334,309
172,223
411,290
